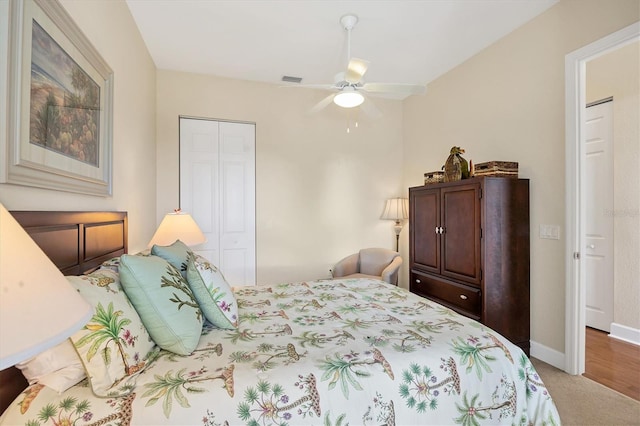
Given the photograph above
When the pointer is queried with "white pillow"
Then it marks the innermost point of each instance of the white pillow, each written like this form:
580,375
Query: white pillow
64,378
58,368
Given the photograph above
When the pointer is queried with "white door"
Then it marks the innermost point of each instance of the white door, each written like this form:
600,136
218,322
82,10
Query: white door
217,186
598,251
199,183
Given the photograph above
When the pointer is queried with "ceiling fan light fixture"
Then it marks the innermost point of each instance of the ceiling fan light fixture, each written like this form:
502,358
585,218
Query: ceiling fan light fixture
348,99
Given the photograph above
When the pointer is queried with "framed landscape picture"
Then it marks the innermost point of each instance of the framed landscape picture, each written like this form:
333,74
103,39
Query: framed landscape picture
59,114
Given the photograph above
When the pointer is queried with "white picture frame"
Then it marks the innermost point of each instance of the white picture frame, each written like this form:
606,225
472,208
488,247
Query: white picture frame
59,103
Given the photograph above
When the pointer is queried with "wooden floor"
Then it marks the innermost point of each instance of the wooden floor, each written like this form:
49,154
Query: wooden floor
613,363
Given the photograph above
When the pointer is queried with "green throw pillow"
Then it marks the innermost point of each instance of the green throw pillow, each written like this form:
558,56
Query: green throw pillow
212,292
164,302
176,254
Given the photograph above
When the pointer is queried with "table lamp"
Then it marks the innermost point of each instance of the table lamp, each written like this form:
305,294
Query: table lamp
177,226
38,307
396,209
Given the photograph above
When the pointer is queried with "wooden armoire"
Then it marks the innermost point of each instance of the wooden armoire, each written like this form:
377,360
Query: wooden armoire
469,250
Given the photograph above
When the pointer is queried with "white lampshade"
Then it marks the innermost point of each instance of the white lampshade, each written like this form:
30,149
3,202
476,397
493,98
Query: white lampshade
178,226
38,307
348,98
396,209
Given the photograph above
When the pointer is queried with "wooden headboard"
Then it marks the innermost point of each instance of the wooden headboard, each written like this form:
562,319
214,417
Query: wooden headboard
77,243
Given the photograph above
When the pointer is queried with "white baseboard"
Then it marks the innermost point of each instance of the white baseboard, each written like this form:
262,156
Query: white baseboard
622,332
548,355
557,358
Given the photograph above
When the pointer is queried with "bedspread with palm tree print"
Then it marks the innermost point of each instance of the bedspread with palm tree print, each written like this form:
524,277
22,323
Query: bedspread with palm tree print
332,352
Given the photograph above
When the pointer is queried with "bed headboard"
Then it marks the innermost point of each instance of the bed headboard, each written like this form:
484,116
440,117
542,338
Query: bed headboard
77,243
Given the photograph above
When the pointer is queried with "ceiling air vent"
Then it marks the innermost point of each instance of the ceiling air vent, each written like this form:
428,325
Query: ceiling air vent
290,79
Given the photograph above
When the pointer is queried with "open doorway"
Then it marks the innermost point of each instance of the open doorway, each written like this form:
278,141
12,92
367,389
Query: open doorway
576,201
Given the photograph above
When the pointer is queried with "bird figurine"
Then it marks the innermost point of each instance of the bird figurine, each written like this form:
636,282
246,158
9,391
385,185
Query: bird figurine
456,167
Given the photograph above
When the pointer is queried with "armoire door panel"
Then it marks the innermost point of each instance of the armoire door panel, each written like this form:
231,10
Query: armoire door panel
425,210
460,238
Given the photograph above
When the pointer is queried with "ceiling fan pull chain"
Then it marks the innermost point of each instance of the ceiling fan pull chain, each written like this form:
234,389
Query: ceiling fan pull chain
355,122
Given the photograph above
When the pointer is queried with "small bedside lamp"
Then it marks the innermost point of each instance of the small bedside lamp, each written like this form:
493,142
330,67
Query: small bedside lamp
38,307
177,226
396,209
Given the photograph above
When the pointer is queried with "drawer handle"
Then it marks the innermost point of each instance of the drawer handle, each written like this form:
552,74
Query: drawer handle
418,281
463,297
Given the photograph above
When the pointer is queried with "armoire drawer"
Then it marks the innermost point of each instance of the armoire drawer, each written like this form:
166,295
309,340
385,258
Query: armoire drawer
459,297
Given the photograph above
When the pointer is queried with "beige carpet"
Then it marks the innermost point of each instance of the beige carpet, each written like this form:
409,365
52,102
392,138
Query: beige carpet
581,401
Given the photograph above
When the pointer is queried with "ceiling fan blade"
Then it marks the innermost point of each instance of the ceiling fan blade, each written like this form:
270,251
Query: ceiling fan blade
404,89
355,70
370,108
322,104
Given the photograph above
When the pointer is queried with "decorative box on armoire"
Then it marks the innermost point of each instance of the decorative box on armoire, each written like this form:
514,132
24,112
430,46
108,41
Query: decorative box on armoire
469,250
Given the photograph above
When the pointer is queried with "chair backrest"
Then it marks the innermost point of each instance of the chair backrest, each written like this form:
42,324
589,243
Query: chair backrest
374,260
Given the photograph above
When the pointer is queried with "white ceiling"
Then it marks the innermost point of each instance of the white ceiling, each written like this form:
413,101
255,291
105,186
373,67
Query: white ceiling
262,40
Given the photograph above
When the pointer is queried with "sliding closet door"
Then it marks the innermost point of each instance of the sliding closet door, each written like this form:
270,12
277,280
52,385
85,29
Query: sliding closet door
199,183
217,186
237,202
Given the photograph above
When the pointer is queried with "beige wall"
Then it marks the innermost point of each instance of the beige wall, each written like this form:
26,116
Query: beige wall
110,28
320,192
507,103
617,74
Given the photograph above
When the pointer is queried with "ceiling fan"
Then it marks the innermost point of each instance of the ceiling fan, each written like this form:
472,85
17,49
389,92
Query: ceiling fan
350,89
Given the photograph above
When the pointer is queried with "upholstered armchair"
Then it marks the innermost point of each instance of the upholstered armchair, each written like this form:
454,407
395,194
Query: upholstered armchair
378,263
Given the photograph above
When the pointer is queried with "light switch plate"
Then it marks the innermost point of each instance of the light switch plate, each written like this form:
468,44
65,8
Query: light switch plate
550,232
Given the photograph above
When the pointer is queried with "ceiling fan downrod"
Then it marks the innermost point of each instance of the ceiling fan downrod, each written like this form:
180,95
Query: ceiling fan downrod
348,23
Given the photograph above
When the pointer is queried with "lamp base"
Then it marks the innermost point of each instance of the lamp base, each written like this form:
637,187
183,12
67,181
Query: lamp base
398,228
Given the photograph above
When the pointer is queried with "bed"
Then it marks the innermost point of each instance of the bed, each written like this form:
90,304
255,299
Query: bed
334,352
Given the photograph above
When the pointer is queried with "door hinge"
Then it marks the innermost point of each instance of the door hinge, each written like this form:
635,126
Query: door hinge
576,255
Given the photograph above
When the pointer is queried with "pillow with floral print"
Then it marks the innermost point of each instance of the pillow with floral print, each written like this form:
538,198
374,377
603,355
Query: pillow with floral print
212,292
114,346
